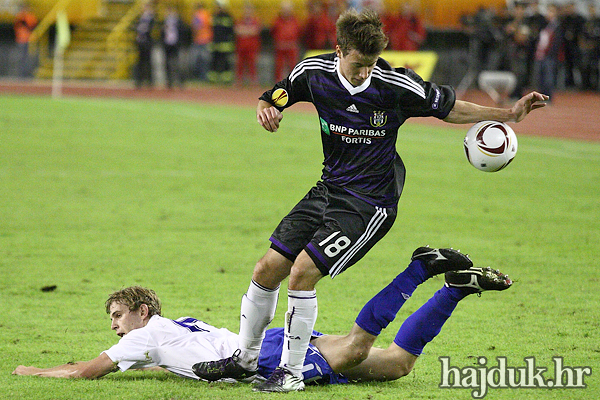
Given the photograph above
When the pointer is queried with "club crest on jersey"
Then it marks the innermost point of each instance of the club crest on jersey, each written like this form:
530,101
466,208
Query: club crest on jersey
378,119
280,97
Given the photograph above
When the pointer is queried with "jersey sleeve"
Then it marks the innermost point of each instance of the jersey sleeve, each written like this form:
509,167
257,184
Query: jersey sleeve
427,99
291,90
132,351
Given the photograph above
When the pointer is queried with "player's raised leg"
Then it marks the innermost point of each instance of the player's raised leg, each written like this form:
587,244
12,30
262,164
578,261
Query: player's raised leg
350,350
423,325
425,263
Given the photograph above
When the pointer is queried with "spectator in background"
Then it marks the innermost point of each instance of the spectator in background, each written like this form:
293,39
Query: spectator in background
286,34
518,48
247,44
223,44
536,21
572,26
501,18
516,20
485,38
24,23
405,30
144,42
518,59
202,36
319,30
171,38
548,51
590,50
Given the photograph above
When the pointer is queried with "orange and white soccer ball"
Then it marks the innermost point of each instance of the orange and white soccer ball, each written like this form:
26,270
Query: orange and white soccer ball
490,145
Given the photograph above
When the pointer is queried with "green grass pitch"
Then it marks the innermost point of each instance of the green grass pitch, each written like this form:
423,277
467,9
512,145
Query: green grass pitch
98,194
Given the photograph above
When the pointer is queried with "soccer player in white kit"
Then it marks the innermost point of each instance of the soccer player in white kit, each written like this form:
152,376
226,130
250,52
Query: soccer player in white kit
149,340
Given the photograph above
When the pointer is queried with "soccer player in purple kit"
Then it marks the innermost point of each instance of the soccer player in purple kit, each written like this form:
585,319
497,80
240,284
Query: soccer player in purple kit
361,102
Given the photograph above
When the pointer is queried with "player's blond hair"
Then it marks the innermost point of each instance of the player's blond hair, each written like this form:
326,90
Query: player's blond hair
362,32
133,297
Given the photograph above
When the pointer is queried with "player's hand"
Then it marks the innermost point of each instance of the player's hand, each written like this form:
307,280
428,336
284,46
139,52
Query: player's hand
269,118
526,104
23,370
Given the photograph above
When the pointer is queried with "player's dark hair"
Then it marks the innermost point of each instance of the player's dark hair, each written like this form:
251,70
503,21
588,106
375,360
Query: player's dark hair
362,32
133,297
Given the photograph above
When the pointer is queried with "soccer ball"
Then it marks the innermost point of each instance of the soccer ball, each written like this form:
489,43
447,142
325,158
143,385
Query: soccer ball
490,145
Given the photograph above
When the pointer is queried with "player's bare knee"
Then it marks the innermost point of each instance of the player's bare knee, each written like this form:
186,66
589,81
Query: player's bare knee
400,363
357,354
260,269
361,354
400,370
392,371
347,358
269,273
304,277
260,273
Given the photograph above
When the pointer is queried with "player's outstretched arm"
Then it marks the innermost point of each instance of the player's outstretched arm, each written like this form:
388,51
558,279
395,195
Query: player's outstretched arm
92,369
465,112
268,116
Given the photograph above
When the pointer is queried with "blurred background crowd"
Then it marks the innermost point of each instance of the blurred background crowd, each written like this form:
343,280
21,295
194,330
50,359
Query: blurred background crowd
546,45
554,46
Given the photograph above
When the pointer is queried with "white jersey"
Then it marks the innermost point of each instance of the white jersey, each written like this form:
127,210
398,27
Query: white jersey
175,345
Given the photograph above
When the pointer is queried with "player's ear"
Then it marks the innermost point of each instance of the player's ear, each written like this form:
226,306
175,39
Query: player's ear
338,51
144,311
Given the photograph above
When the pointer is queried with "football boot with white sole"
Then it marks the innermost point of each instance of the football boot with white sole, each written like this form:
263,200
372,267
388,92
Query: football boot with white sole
281,380
477,280
439,261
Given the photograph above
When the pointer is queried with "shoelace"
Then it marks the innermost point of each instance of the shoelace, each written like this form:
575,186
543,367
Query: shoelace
220,365
278,376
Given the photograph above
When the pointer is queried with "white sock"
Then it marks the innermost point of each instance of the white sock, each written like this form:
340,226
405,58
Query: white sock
299,323
257,312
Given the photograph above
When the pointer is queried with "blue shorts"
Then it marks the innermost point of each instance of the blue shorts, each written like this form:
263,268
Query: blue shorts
315,371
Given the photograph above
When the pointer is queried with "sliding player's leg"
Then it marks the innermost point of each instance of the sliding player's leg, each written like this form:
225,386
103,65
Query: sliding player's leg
421,327
350,350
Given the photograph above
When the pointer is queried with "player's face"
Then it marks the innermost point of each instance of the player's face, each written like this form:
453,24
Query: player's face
123,321
355,67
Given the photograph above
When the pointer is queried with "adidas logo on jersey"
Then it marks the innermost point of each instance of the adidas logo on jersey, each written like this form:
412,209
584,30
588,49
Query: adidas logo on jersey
353,109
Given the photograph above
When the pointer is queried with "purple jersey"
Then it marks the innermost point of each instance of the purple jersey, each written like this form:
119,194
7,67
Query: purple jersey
359,125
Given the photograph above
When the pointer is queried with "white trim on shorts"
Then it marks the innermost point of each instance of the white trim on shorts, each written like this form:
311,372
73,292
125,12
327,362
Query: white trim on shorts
374,224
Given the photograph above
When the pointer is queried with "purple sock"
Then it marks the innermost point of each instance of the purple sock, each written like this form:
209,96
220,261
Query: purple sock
382,309
424,324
